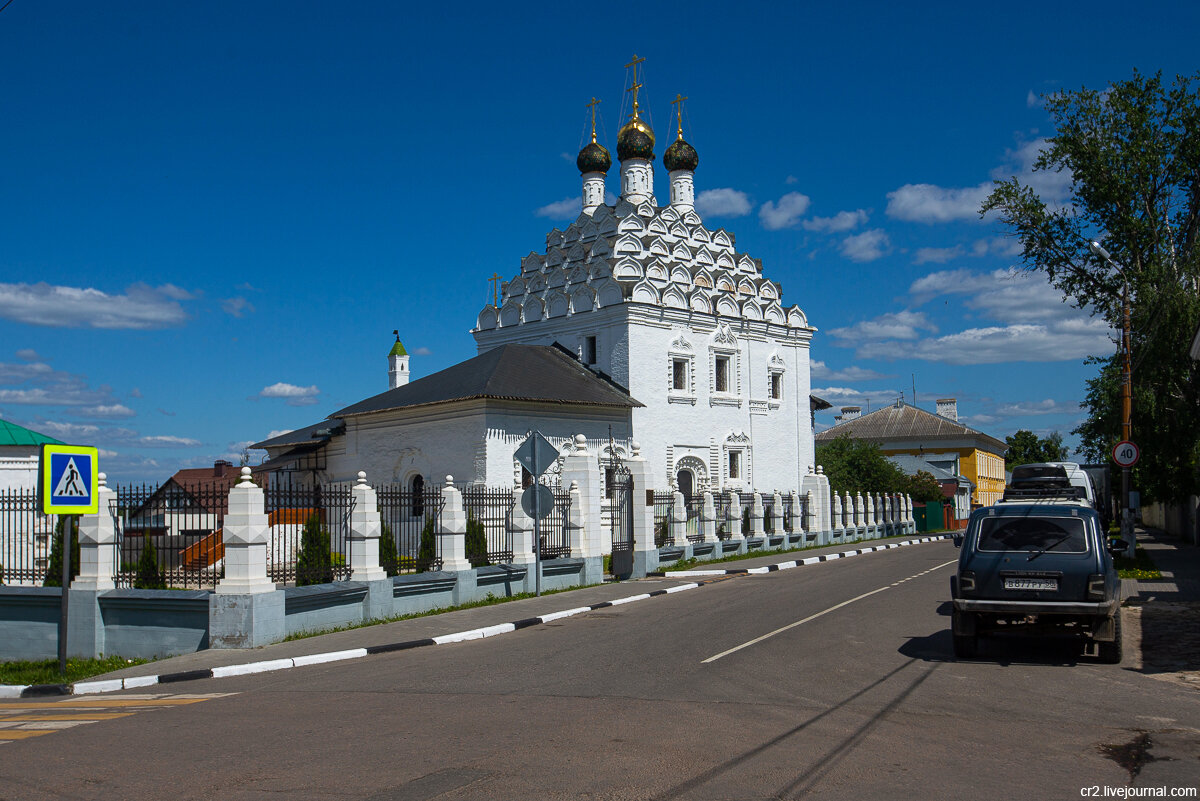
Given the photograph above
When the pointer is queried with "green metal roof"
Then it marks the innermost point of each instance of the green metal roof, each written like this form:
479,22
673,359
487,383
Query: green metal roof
398,350
13,434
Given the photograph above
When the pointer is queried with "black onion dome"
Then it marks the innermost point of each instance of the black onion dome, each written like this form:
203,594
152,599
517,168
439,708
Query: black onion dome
680,156
593,158
635,141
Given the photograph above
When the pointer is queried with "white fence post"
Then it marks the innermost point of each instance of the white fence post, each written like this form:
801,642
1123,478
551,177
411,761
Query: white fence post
733,517
708,518
97,543
365,528
244,535
678,525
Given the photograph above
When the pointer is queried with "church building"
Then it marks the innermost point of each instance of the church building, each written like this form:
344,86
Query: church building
679,343
669,309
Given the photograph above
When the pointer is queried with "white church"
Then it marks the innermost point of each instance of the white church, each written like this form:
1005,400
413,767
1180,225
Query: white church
637,323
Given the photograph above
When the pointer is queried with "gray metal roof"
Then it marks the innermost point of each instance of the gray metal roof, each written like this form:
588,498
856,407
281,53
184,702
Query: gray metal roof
912,464
541,373
905,422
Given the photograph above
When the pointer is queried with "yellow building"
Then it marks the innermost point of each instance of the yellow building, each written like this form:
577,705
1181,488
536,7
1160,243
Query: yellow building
936,438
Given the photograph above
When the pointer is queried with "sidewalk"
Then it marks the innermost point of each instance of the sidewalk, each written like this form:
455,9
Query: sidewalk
450,626
1179,563
1163,615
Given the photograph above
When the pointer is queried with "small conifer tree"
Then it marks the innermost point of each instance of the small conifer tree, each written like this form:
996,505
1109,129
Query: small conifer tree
389,560
148,576
476,542
427,553
313,562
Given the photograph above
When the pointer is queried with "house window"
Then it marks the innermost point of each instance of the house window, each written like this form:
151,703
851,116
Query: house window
735,464
679,374
776,388
589,350
721,378
418,496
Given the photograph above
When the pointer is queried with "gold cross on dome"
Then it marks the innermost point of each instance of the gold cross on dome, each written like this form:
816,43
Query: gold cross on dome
592,106
495,282
678,103
634,88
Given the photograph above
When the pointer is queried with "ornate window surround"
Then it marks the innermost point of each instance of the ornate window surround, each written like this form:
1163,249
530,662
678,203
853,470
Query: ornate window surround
681,350
737,442
724,344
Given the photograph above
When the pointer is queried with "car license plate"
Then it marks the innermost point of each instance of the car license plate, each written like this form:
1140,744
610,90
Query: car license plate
1031,584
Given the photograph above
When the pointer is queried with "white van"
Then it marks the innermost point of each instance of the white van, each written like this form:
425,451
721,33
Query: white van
1075,474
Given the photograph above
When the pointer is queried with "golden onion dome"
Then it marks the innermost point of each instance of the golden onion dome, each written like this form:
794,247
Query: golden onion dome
635,140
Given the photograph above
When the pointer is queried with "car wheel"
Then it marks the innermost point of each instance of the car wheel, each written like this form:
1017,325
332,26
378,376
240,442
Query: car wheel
1110,652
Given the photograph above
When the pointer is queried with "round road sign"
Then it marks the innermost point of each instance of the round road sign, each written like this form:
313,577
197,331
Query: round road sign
1126,454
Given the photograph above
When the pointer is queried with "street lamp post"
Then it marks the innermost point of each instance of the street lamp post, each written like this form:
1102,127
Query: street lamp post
1127,532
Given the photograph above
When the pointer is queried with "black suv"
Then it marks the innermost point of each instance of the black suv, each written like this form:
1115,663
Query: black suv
1038,562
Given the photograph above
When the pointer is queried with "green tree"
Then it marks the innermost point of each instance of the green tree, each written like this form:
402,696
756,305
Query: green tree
313,562
922,487
1132,154
55,566
148,576
854,465
476,542
1026,447
427,551
389,559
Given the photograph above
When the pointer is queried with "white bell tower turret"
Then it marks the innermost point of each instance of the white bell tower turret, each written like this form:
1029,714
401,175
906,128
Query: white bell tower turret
397,364
593,162
635,149
681,161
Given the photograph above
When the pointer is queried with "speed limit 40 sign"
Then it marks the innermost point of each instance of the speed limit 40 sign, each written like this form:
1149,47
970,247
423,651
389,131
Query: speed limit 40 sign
1126,453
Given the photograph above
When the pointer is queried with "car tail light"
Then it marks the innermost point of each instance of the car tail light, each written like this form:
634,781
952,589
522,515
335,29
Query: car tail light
1095,587
966,581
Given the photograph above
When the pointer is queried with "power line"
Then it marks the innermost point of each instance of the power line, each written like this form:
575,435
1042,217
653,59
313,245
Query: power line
6,5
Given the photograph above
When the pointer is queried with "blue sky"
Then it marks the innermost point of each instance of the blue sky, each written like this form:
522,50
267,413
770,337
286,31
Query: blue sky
213,215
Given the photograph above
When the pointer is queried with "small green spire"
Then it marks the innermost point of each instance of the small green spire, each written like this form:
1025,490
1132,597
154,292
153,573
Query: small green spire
398,349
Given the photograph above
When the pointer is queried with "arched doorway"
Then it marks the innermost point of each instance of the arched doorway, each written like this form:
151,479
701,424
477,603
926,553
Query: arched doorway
685,480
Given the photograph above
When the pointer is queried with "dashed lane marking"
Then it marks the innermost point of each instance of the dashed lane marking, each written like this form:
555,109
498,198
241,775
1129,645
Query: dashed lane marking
21,720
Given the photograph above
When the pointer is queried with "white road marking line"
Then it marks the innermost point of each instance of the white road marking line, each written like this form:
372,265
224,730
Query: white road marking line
834,608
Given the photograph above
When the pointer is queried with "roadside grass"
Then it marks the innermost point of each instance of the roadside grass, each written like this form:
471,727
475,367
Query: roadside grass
688,564
1139,567
46,671
490,600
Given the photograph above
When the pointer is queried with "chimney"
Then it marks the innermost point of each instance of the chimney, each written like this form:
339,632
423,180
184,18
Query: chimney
851,413
219,468
948,408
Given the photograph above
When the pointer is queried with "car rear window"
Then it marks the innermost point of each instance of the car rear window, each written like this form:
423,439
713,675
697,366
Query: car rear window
1060,534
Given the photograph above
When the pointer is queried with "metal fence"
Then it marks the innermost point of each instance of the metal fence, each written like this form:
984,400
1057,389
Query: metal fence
168,535
408,542
663,501
721,506
309,539
26,538
489,540
555,536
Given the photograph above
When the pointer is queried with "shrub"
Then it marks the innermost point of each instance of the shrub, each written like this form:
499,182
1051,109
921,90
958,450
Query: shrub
389,560
54,568
148,576
476,544
314,564
745,521
427,553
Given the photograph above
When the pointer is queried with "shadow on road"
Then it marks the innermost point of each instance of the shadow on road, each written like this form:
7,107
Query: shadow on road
1001,650
1170,636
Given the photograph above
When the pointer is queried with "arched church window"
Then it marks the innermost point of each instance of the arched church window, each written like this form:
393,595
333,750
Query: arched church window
418,496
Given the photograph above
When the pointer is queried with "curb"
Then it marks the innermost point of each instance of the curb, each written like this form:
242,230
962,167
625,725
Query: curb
812,560
113,685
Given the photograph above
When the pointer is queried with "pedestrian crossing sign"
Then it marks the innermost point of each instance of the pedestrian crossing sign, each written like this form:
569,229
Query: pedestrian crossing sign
67,480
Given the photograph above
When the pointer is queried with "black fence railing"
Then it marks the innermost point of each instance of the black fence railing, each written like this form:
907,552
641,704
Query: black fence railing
664,500
309,540
488,509
721,507
408,541
555,539
26,538
169,535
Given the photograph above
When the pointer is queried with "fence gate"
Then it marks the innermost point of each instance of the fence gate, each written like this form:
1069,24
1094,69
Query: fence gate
621,520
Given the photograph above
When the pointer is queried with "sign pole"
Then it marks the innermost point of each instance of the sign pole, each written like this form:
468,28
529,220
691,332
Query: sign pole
69,521
537,531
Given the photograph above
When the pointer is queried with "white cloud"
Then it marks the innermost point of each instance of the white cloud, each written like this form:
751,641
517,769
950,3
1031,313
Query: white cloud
998,344
842,221
565,209
292,394
279,432
723,202
1032,100
236,307
1003,246
784,214
845,396
1008,295
893,325
422,351
867,246
927,203
29,355
936,255
141,307
1029,408
1052,187
791,179
114,411
167,441
823,373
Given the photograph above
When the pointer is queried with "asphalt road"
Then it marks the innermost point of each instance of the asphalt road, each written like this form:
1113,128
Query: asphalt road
831,681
